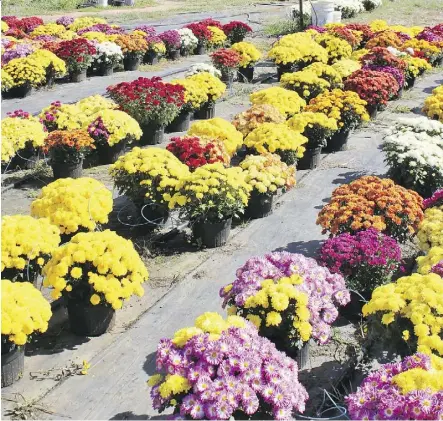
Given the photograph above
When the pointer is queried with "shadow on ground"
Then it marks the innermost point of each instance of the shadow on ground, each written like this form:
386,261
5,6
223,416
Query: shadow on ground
129,415
307,248
149,366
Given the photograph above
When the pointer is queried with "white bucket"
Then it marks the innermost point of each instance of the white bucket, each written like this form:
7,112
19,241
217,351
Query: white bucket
337,17
102,3
322,12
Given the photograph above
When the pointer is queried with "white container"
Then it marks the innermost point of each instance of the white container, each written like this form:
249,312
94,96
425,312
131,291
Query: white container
337,17
322,12
102,3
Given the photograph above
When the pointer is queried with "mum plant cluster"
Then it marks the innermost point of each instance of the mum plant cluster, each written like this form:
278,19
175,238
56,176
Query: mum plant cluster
34,53
246,365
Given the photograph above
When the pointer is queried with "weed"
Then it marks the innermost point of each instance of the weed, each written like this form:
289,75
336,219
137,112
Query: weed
401,109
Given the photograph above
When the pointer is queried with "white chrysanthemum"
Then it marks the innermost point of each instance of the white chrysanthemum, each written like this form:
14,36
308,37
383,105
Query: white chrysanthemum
203,67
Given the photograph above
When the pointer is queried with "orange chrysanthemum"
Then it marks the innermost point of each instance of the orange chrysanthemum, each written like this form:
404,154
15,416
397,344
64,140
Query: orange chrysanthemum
372,202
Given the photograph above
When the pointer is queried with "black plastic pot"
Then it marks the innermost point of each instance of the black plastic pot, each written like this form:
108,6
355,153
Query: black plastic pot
152,216
246,74
50,76
206,112
228,78
180,123
302,356
438,62
109,154
372,111
106,69
86,319
211,234
310,159
77,76
284,68
353,310
184,52
18,92
200,50
174,54
24,159
259,205
150,57
153,134
131,64
13,365
338,141
410,82
399,94
65,170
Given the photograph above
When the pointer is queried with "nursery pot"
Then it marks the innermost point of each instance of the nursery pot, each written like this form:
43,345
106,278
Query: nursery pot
338,141
109,154
152,216
78,76
310,159
399,93
174,54
283,68
153,134
227,77
13,363
106,69
212,234
24,159
150,57
353,310
206,111
50,76
200,50
21,91
184,52
410,82
259,205
131,63
246,74
372,110
180,123
86,319
67,170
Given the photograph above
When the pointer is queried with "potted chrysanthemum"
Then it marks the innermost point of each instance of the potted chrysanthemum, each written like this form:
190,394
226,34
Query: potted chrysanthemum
209,198
214,89
194,97
347,108
227,61
279,139
74,205
289,298
134,48
78,54
104,271
148,178
27,244
24,312
112,130
236,31
172,41
67,149
209,353
152,102
20,75
22,138
317,128
266,174
108,55
249,56
188,41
